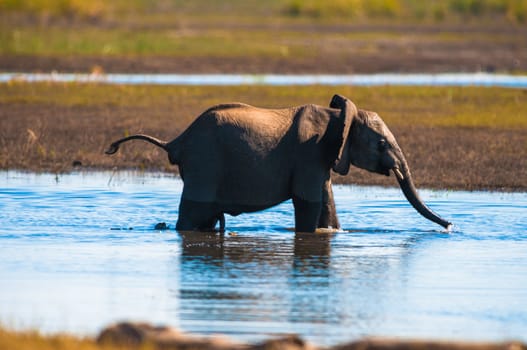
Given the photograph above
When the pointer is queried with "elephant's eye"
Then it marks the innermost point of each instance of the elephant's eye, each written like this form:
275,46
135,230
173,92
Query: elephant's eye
382,145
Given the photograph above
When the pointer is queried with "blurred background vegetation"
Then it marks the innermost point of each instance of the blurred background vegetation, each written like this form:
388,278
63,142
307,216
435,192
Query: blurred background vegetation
438,10
349,10
307,35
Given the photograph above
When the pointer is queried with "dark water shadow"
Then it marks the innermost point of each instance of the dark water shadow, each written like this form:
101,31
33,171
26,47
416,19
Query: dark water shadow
245,248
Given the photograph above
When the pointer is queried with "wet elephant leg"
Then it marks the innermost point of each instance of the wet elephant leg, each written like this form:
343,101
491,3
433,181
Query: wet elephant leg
221,219
306,214
328,215
198,216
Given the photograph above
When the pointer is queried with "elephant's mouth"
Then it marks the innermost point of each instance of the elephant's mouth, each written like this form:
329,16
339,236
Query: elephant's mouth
383,170
387,164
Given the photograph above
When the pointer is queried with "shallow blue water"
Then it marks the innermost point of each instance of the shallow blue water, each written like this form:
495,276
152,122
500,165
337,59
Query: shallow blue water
79,251
441,79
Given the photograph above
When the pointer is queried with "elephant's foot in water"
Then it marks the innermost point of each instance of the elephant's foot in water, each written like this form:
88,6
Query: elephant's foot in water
315,217
199,216
307,214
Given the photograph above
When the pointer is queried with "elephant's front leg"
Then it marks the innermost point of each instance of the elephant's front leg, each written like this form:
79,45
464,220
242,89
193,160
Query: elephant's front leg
198,216
307,214
328,215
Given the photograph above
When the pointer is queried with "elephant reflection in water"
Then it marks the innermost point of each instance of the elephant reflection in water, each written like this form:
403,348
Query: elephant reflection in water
245,275
215,248
249,277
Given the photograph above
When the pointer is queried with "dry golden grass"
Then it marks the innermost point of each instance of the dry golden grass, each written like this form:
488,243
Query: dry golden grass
32,340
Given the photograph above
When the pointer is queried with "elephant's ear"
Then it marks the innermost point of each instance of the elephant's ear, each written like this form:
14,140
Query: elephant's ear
347,114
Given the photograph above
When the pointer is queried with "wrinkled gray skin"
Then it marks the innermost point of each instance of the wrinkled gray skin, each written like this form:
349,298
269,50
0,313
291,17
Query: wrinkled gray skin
235,158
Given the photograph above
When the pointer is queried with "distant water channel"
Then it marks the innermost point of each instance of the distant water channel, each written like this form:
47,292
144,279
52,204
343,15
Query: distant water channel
445,79
79,251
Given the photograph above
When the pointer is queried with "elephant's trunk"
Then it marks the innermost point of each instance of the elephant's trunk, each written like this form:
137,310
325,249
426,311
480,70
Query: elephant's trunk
407,186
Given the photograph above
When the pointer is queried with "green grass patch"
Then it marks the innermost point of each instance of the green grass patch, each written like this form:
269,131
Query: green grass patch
406,106
107,42
168,38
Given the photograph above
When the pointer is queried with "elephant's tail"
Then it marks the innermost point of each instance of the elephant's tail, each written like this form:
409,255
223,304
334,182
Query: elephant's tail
114,147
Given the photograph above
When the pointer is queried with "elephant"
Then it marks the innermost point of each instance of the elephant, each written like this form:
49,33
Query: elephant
235,158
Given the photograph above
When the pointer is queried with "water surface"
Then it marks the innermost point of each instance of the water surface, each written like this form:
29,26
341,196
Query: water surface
79,251
400,79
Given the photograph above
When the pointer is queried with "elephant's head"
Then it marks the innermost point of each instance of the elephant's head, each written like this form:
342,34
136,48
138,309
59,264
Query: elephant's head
370,145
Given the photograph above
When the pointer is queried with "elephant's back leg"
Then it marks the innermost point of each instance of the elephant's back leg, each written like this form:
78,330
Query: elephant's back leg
198,216
328,215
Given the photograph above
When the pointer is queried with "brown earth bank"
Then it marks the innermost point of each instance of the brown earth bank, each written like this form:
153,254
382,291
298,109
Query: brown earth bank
54,138
452,60
138,335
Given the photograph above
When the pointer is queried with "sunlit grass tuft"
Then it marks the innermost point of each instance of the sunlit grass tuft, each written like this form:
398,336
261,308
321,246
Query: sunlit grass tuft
32,340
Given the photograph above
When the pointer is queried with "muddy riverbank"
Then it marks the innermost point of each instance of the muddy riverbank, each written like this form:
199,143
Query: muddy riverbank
454,138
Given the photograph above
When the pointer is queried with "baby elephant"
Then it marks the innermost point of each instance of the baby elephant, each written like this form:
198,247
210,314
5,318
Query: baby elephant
235,158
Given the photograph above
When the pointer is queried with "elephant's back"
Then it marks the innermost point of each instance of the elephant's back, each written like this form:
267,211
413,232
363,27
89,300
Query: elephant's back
239,150
241,122
248,117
